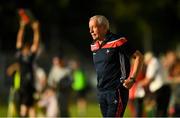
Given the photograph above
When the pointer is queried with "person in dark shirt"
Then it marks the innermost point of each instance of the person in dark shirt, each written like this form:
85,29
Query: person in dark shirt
26,55
111,56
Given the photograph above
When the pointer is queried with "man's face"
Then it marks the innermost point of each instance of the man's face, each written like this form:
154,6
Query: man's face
97,31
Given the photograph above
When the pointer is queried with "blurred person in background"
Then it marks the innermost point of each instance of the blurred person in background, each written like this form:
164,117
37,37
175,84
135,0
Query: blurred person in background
175,85
48,100
111,56
13,71
59,78
168,61
155,83
41,79
26,55
136,96
40,85
79,85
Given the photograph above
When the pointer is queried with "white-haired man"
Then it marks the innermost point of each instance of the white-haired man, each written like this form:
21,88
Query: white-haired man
111,56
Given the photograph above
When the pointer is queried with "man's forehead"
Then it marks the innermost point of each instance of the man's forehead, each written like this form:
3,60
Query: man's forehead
94,22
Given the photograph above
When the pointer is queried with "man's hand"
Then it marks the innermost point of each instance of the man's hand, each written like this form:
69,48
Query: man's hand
128,83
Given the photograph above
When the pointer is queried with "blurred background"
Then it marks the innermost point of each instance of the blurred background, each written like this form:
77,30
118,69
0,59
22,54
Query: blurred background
152,25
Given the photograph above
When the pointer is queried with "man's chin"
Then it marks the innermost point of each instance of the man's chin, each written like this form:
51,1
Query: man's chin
95,39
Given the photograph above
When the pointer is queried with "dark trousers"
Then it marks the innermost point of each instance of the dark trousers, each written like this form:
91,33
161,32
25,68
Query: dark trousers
113,102
139,107
177,110
63,103
162,100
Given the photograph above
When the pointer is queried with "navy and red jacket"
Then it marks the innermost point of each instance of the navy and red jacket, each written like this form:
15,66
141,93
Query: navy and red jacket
112,61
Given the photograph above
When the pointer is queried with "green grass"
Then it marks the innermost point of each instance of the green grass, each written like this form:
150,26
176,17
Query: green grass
3,110
92,111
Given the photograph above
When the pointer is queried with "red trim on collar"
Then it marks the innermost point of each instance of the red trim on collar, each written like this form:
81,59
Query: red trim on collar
111,44
95,46
115,43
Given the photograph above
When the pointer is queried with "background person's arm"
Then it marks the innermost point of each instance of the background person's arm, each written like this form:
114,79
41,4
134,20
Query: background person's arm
137,66
20,35
35,45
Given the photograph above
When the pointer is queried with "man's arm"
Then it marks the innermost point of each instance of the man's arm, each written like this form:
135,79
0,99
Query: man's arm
20,35
35,45
137,66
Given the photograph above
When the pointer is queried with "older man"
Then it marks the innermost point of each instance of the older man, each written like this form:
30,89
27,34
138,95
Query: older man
111,56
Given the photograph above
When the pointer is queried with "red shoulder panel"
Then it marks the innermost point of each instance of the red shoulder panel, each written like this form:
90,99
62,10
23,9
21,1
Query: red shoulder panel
115,43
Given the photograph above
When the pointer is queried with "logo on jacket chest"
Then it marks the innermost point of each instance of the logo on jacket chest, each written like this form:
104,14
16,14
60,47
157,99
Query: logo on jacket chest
107,51
94,53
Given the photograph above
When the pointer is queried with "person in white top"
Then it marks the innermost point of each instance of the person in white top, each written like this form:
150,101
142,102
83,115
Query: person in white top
49,101
57,72
156,82
59,78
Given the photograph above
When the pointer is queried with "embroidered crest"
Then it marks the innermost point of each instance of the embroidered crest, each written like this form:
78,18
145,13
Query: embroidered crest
107,51
115,101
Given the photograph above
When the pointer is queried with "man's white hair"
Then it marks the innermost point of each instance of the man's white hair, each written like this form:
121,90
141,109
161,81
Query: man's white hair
101,20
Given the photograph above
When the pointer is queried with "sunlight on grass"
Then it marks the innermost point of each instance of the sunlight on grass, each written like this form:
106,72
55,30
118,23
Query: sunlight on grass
3,111
93,110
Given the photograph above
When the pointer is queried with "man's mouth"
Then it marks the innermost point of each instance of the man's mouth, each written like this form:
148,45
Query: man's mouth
93,35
